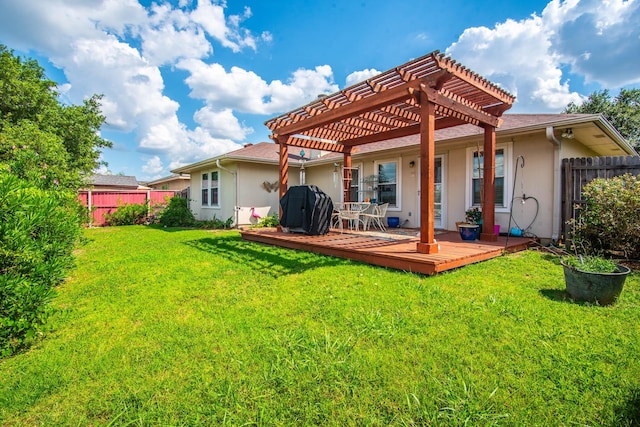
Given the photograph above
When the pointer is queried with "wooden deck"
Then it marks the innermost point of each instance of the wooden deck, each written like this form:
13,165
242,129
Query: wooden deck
389,250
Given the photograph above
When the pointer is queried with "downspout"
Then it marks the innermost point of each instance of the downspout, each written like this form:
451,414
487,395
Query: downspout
235,182
557,184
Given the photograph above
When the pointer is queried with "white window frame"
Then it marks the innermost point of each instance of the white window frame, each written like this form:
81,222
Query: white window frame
202,188
508,165
211,185
398,161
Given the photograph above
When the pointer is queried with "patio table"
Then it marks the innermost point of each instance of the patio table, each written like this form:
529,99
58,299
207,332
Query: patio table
350,213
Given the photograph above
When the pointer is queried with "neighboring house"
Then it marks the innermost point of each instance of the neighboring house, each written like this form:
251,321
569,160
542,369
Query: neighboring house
389,171
114,183
172,182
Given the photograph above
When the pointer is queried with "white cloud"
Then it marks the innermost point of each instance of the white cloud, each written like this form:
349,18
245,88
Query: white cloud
359,76
153,166
221,123
170,35
115,48
227,31
247,92
599,39
528,57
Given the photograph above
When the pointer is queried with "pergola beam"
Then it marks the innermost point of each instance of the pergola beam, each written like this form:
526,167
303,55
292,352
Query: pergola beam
364,105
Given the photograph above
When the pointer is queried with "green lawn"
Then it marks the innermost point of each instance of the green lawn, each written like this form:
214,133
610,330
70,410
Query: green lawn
192,327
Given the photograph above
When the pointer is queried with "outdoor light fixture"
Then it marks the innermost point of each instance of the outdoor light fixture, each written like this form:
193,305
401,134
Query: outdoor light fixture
412,164
303,174
568,133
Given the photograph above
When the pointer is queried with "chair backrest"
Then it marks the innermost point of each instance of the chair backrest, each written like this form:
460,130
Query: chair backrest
382,209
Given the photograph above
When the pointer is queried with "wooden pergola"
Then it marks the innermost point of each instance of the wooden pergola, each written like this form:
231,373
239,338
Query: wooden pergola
428,93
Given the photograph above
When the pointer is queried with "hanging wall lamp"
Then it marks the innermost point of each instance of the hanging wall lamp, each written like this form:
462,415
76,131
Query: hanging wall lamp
568,133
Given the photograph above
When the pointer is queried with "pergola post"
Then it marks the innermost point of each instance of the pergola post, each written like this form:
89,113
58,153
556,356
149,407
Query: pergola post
427,244
346,178
489,181
283,175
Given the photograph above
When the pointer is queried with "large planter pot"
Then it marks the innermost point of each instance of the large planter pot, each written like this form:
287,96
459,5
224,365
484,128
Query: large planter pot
469,231
601,288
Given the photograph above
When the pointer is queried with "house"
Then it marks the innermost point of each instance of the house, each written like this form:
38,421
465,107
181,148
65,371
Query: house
173,182
390,170
114,183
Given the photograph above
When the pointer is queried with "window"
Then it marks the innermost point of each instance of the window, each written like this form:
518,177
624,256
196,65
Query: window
214,189
388,183
205,189
476,175
210,189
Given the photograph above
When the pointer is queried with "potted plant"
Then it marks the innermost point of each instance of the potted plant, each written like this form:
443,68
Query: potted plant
470,230
605,224
593,278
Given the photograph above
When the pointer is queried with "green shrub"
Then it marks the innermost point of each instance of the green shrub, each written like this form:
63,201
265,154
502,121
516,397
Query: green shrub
177,213
609,220
215,224
38,232
128,214
593,264
268,221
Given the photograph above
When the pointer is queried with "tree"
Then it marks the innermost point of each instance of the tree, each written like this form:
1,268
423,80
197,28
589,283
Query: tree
47,150
39,135
623,111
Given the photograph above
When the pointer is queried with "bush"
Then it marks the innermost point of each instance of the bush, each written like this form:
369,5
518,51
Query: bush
38,232
215,224
609,220
268,221
177,213
128,214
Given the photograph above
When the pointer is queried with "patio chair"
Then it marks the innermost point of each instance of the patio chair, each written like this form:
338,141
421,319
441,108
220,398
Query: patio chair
351,213
375,216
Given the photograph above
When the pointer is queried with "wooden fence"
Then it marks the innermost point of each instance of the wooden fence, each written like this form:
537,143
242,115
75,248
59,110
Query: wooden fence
101,202
578,172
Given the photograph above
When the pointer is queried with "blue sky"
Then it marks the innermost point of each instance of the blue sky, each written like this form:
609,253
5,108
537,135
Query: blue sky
185,80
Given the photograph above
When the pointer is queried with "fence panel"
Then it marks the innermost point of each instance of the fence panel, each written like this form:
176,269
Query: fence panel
100,202
578,172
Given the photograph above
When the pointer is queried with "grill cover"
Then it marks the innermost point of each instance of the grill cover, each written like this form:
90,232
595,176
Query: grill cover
306,209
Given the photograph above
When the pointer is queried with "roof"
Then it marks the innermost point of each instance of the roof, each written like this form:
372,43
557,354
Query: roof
172,177
263,152
588,128
114,181
392,104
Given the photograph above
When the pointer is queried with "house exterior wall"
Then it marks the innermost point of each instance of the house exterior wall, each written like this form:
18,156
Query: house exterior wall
177,184
252,192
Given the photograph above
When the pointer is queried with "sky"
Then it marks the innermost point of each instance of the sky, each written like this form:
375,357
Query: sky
186,80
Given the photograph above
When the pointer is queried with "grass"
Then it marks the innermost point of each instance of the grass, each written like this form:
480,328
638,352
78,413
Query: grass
193,327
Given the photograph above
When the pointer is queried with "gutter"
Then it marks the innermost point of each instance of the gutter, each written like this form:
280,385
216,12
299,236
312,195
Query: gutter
557,183
235,181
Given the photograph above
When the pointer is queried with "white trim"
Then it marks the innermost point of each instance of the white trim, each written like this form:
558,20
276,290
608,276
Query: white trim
508,167
398,162
210,204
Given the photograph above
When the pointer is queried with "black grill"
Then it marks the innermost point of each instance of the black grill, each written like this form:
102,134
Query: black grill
306,209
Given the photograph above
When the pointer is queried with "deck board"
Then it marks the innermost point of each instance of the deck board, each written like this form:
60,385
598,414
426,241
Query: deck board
393,252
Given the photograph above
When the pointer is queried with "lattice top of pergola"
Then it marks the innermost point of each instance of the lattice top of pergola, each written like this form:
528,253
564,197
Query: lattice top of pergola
388,106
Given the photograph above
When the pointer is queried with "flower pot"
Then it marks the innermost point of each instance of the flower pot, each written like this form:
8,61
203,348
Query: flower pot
393,222
496,229
601,288
469,231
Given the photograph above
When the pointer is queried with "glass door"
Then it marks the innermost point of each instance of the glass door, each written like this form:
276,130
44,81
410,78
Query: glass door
438,191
